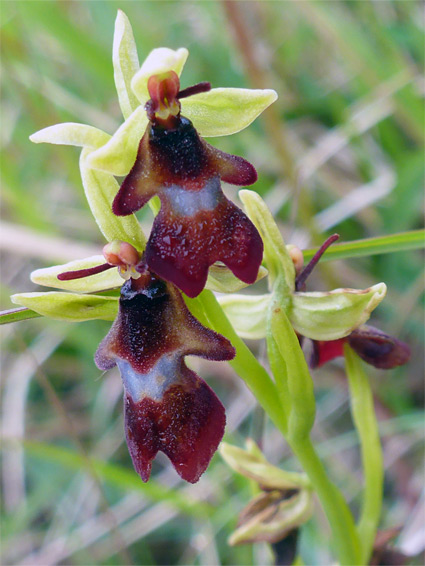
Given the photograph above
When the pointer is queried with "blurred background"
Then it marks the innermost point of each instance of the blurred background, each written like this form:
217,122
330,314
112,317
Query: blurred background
341,150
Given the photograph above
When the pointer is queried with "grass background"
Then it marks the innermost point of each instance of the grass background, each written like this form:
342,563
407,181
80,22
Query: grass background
341,150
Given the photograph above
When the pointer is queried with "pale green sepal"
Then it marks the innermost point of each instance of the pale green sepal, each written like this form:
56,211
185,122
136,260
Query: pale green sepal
247,313
100,189
225,111
126,63
69,306
294,381
253,465
271,516
158,61
221,279
48,276
333,315
71,133
119,154
276,256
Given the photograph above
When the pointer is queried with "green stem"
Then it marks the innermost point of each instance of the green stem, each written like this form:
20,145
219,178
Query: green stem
362,409
344,535
245,363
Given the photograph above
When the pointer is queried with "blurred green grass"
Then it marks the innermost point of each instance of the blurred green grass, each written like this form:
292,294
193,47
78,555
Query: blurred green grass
351,121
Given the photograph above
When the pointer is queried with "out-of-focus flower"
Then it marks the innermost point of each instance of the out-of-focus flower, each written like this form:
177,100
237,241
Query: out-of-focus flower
284,503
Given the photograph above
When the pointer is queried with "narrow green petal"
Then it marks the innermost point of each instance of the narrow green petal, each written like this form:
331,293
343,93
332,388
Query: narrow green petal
158,61
221,279
247,313
225,111
100,189
99,282
329,316
126,63
276,255
69,306
119,154
71,133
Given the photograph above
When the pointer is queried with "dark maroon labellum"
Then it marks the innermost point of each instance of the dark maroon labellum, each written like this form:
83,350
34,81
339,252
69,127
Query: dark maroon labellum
168,407
197,224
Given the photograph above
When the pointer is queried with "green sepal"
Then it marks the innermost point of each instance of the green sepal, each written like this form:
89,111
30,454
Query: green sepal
276,256
126,63
247,313
158,61
119,154
71,133
333,315
100,189
221,279
252,464
69,306
225,111
48,276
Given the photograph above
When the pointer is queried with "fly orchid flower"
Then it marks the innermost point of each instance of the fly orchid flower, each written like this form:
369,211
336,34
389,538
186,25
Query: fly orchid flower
197,225
214,112
329,319
167,406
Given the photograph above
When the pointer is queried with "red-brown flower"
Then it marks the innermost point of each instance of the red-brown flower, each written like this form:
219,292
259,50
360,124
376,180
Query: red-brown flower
371,344
197,225
168,407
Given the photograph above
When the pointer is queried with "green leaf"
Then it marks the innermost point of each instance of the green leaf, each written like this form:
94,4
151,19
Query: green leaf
247,313
225,111
158,61
221,279
126,63
71,133
276,256
119,154
333,315
15,315
100,189
69,306
48,276
412,240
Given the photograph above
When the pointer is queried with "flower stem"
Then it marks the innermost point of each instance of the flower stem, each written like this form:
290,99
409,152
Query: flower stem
345,539
364,418
245,363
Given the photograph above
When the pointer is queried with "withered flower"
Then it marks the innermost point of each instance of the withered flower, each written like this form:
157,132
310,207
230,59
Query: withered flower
371,344
197,225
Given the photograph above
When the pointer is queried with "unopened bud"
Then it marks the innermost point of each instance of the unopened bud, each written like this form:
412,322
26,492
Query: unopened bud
297,257
124,256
